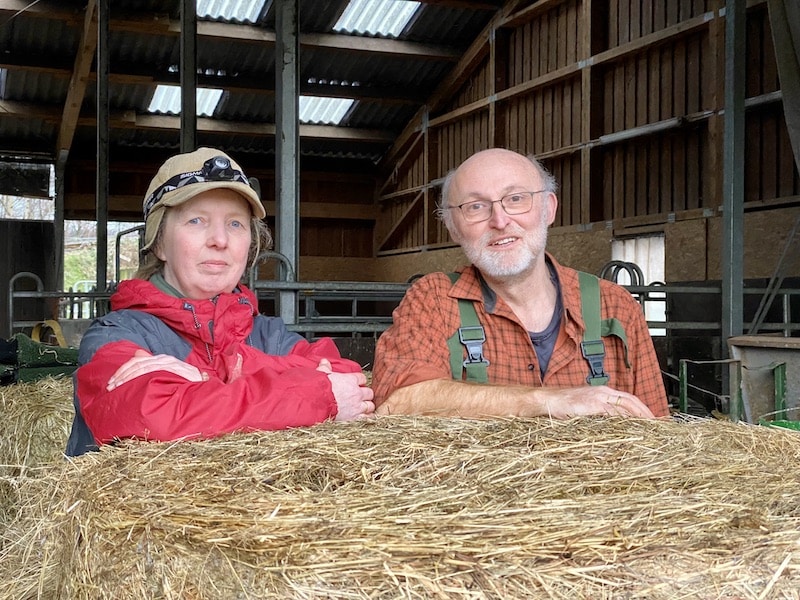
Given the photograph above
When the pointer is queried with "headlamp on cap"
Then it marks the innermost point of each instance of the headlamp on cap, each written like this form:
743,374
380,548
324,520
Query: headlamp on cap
217,168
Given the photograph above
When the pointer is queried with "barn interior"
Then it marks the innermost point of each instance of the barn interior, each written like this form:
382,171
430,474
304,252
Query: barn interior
673,129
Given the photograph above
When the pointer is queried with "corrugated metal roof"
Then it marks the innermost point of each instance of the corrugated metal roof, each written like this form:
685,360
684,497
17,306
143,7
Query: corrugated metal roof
323,111
167,100
446,25
237,11
376,17
388,86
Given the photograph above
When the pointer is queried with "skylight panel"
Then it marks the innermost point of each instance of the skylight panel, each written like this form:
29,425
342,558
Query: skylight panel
324,111
167,100
376,17
231,10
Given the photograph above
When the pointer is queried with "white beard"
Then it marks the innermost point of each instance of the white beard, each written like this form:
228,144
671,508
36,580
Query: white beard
499,265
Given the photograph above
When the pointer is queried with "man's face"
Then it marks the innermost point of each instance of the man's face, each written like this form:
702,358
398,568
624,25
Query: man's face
504,246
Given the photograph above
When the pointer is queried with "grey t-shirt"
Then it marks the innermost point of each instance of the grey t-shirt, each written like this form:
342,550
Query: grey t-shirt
545,341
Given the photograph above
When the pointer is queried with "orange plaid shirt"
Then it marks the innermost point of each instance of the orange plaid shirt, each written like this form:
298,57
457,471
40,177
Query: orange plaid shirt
415,347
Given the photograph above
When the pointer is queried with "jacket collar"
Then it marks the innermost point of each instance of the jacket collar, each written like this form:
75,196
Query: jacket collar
230,315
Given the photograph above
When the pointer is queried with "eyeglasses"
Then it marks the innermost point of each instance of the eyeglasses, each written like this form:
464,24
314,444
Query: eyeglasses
214,169
516,203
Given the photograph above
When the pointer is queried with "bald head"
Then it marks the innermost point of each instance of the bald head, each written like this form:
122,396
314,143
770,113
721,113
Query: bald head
467,177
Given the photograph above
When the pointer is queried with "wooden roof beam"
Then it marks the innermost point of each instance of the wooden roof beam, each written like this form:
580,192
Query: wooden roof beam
245,85
78,82
130,120
472,4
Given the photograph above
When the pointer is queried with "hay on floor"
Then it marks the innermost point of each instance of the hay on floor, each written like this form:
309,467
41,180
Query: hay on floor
403,507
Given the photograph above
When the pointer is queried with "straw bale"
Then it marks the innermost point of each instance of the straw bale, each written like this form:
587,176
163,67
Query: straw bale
403,507
36,418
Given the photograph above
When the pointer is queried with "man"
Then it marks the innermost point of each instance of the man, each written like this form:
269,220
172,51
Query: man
498,205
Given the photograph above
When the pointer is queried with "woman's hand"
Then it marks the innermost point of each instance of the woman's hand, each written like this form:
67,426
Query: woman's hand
143,363
353,397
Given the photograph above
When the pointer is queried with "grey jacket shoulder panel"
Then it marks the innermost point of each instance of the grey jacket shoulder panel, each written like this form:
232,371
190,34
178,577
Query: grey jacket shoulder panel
271,336
135,326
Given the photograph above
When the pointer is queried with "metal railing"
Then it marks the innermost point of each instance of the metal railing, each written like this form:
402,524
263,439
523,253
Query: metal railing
369,305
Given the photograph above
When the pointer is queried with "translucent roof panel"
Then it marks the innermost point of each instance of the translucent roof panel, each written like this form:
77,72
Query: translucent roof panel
376,17
167,100
246,11
323,111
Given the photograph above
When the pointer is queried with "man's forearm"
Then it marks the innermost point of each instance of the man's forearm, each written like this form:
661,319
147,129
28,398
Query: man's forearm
447,398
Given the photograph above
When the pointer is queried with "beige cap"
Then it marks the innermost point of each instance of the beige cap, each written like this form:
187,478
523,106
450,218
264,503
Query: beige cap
183,176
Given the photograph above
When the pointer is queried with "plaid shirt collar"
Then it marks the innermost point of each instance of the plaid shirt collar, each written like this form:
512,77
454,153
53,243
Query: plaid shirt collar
472,286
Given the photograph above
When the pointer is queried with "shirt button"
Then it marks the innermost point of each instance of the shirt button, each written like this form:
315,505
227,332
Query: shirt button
530,367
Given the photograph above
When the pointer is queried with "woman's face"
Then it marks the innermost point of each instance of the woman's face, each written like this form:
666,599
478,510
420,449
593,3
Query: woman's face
205,243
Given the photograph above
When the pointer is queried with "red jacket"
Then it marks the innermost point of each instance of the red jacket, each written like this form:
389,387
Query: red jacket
260,375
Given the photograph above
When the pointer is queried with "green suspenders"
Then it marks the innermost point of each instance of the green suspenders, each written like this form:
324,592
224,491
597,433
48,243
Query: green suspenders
470,335
592,346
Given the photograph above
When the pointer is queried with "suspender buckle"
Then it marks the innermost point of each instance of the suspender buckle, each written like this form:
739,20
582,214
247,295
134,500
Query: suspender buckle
473,339
594,352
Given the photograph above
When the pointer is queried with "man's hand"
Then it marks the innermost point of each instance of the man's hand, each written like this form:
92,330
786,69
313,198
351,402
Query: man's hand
593,400
143,363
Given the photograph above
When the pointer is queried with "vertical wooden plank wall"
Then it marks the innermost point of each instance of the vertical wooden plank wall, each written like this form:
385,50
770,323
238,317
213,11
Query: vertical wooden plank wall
621,99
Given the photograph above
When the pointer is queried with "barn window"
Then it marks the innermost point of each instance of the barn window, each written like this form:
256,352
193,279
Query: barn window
646,252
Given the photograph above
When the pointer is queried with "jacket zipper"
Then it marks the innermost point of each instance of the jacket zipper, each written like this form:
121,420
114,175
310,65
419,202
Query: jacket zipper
198,326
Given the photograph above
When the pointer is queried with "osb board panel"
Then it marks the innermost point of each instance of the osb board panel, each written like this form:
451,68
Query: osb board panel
693,250
588,251
584,250
401,267
685,250
765,236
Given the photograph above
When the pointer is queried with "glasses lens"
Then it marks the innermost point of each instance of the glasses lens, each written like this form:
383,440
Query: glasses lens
476,211
517,203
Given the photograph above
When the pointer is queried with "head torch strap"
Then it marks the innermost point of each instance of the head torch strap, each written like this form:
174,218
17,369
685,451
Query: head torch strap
183,179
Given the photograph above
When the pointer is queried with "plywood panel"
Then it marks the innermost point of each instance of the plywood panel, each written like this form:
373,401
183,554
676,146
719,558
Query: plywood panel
402,267
691,247
765,234
588,251
686,250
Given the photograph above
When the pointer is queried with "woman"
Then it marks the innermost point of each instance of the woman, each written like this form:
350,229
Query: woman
184,352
